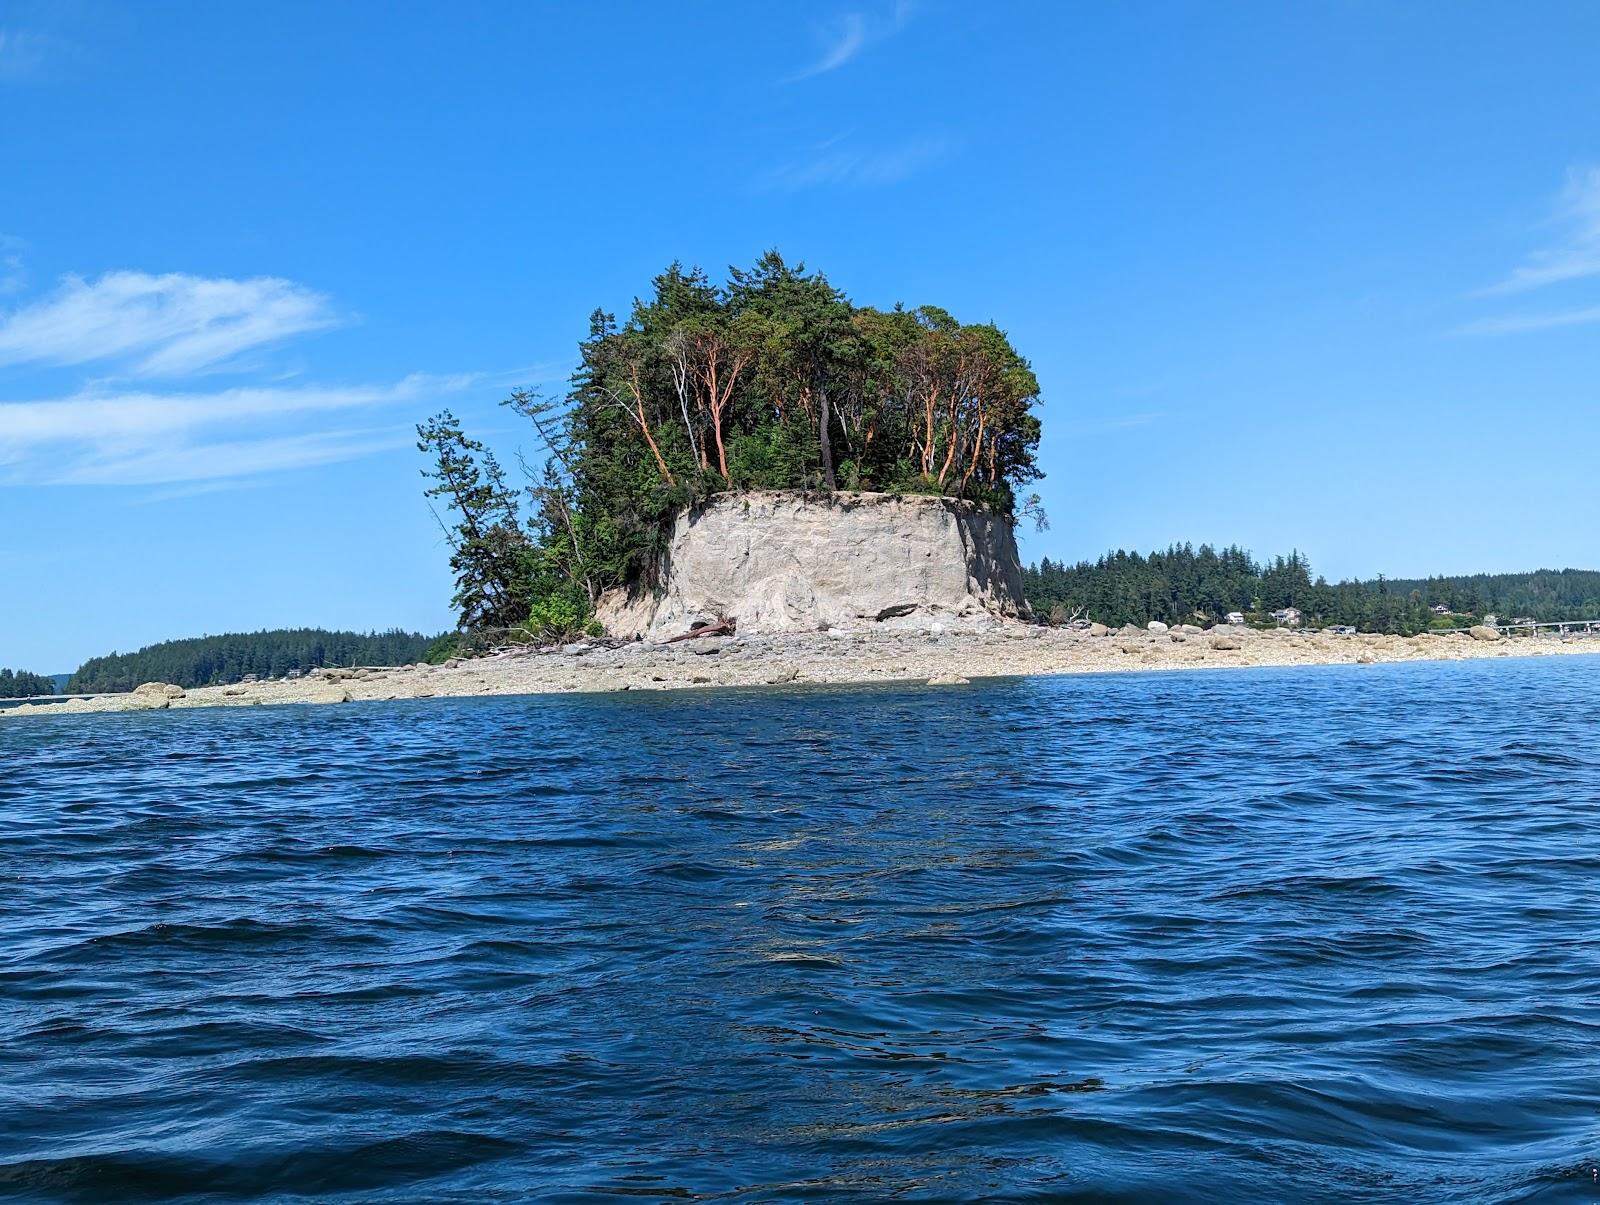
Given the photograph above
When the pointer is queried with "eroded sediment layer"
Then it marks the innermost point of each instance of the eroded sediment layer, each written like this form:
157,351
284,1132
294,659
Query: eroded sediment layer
788,562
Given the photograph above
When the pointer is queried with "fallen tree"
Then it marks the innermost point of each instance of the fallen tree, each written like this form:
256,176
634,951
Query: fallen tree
723,627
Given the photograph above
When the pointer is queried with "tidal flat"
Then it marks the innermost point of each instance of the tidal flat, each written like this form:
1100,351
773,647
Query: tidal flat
865,655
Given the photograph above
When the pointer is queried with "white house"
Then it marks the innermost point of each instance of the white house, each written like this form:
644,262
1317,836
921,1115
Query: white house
1236,618
1289,617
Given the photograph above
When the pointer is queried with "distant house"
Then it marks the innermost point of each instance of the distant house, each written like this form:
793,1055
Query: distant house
1236,618
1289,617
1491,621
1439,609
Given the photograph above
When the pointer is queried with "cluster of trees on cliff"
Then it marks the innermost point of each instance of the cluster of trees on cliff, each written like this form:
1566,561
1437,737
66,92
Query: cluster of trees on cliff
1182,582
20,684
218,660
771,380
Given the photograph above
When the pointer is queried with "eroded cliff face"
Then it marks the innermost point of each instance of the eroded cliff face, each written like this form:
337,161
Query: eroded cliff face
782,562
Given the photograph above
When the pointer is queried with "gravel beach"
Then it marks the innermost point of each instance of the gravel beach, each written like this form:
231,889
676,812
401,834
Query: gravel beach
936,657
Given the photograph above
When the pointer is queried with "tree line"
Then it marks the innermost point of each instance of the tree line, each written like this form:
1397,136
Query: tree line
20,684
220,660
773,379
1183,584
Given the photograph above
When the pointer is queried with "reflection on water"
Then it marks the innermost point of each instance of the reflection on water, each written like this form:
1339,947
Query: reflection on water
1254,935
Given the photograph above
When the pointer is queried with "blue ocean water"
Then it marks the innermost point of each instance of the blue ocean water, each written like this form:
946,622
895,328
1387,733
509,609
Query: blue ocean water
1261,935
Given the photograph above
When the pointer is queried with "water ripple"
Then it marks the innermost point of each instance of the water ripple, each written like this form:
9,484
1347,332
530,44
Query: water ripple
1311,935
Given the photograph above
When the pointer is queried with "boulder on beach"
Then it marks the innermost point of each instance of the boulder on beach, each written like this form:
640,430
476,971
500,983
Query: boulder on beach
1226,643
159,690
1099,629
1156,626
1128,629
1480,632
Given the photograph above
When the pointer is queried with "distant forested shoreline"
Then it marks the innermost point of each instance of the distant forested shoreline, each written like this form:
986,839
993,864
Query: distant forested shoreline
20,684
221,660
1183,583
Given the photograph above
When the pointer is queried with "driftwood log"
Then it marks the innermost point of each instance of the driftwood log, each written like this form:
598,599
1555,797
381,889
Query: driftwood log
723,627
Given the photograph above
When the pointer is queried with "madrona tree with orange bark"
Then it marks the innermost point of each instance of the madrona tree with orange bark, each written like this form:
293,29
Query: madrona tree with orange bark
770,380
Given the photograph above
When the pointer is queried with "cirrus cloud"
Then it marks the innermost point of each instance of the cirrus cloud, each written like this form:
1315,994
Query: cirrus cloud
141,438
1576,254
160,326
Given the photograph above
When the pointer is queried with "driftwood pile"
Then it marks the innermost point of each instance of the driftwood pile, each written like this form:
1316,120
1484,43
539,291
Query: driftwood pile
723,627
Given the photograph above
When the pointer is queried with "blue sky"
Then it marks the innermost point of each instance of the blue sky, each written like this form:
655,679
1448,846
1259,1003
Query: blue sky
1324,277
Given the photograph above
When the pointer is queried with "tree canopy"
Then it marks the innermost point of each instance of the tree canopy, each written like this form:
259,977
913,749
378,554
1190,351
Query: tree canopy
218,660
20,684
1182,583
773,379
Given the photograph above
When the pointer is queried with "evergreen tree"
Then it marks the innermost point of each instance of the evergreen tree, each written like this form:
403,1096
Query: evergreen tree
219,660
20,684
490,553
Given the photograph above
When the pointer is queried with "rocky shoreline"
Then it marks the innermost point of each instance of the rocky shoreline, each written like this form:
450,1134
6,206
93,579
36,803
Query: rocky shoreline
934,655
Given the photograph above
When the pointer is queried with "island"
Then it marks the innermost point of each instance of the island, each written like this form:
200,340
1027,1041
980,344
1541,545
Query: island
760,482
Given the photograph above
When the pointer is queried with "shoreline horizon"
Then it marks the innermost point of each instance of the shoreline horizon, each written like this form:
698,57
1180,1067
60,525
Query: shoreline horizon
815,659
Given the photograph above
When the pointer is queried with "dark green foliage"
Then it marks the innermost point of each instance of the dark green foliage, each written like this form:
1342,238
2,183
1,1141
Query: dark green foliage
217,660
442,649
20,684
491,554
1182,585
1547,595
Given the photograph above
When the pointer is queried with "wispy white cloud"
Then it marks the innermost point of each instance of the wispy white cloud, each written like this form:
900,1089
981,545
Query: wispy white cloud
1576,254
160,326
142,438
844,163
180,434
220,461
844,43
1519,324
852,32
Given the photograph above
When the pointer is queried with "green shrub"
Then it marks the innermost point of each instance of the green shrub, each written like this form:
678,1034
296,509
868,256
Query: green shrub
558,616
442,649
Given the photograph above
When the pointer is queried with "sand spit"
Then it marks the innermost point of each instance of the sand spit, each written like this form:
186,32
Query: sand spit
935,657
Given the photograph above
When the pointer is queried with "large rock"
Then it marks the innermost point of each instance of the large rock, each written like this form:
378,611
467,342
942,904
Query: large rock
1479,632
1099,629
159,690
785,562
1156,626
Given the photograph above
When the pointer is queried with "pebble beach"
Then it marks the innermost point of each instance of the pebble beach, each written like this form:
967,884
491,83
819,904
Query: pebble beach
935,656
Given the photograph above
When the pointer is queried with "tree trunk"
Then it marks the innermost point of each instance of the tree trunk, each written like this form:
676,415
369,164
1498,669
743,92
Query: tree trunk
827,442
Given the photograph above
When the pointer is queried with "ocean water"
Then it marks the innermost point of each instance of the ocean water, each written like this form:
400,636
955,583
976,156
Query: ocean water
1260,935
